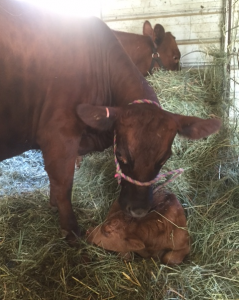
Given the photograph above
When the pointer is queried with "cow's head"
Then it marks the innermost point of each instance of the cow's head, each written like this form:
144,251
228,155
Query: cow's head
165,45
144,136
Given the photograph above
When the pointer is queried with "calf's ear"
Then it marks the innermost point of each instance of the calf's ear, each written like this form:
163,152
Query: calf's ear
97,117
196,128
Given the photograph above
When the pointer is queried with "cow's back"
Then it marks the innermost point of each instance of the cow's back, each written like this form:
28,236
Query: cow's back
47,63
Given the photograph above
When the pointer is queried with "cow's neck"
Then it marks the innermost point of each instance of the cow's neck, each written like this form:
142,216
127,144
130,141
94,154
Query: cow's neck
139,48
136,45
117,79
127,83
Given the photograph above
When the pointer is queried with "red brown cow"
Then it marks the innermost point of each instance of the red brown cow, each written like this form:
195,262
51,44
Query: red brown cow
154,49
162,233
144,50
65,86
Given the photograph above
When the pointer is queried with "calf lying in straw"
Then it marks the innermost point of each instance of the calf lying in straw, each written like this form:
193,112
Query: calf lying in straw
162,233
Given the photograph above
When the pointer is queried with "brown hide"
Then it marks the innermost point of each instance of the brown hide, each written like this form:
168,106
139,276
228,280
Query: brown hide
57,76
141,48
144,136
162,233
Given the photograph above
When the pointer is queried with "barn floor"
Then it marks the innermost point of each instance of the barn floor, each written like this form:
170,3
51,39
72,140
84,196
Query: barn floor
36,263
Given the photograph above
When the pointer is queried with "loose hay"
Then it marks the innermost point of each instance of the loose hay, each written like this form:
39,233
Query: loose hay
36,264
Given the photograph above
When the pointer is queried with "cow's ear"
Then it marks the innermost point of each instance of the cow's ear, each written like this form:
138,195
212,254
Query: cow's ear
134,244
98,117
147,29
195,128
159,34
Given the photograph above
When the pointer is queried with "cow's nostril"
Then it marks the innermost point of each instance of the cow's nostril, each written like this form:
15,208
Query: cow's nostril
138,213
128,209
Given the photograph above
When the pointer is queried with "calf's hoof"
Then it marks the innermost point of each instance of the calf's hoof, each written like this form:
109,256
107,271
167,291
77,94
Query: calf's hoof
127,256
173,258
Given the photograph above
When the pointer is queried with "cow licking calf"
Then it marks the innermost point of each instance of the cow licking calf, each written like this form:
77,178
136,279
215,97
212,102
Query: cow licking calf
65,88
162,233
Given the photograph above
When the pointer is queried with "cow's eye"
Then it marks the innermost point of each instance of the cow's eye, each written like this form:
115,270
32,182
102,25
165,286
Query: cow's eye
120,157
158,165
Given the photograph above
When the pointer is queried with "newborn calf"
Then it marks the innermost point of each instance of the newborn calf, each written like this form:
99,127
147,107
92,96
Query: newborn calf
162,233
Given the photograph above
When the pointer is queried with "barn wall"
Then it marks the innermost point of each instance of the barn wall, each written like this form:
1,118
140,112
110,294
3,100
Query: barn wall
197,24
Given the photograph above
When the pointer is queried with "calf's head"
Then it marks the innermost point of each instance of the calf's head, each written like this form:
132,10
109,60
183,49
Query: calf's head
162,233
144,136
114,235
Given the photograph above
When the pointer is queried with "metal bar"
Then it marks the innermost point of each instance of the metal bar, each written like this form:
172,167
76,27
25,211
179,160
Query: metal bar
198,41
229,32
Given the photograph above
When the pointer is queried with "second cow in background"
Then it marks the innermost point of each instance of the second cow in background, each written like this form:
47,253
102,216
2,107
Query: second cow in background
154,49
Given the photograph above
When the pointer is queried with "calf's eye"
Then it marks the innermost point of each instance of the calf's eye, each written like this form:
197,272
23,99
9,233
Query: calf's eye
106,230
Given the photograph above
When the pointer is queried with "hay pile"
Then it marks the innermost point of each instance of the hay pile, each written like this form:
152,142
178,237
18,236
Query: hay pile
35,263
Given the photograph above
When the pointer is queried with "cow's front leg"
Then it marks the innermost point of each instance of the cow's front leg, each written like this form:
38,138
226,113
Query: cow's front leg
59,158
60,193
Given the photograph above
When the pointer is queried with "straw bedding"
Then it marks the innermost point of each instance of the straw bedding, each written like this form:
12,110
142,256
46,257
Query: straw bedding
35,263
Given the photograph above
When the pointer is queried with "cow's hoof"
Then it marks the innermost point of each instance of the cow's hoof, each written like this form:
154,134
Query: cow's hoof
53,208
71,237
85,259
78,162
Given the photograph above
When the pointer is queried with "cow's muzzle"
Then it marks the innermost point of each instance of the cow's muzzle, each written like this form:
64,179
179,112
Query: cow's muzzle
138,213
135,200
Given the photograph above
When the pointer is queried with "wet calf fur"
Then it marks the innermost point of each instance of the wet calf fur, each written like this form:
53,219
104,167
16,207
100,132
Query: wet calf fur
162,233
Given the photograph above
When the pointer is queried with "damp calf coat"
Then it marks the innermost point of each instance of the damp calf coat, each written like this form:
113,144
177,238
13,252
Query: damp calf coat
162,233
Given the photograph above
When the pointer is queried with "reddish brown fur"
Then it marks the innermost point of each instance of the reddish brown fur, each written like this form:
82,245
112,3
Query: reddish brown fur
57,76
160,234
140,47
